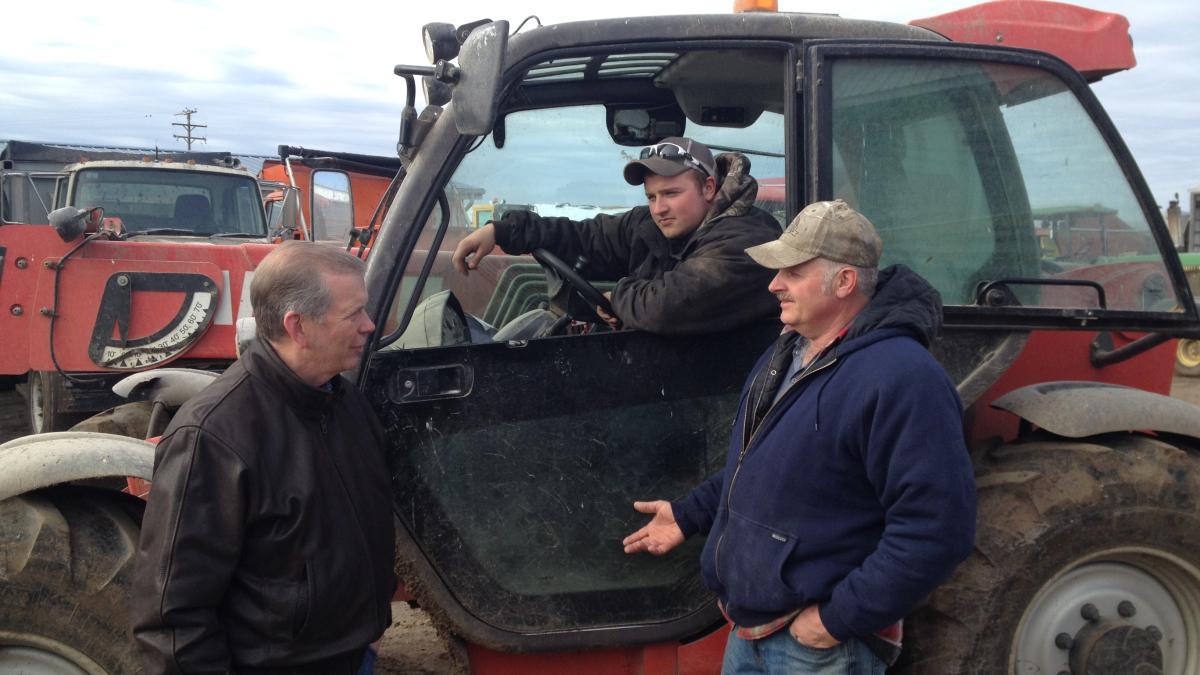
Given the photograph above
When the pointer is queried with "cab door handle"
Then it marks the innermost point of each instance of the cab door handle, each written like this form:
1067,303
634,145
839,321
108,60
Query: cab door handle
430,383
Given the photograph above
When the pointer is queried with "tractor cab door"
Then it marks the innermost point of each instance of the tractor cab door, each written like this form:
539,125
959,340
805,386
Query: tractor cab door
518,447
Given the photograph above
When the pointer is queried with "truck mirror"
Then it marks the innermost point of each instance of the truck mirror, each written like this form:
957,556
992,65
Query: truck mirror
70,222
244,332
476,94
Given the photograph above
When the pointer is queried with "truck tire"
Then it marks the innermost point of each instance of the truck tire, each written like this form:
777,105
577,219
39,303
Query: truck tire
66,562
1087,559
47,410
1187,358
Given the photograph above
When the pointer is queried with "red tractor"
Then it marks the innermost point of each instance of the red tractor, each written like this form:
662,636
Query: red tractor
516,457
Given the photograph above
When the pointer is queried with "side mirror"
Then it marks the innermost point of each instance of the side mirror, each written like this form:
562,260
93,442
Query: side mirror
70,222
481,61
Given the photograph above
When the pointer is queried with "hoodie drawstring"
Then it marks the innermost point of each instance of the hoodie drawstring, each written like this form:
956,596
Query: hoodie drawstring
821,389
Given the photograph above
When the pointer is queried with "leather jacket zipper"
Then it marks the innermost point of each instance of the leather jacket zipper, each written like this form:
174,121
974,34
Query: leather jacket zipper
745,448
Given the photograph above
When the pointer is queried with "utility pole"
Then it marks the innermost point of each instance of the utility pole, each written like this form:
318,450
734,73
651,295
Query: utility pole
189,138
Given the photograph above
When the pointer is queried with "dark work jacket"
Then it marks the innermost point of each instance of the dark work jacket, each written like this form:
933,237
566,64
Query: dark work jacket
268,538
697,284
855,491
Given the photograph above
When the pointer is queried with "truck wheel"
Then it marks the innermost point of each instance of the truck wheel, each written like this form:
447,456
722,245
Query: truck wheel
47,410
66,562
1187,358
1087,560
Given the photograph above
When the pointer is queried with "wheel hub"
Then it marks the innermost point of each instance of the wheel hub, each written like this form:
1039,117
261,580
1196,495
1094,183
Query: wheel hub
1188,352
1104,617
1114,647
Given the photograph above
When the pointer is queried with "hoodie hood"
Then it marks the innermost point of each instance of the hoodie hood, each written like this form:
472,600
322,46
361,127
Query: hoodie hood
903,302
736,188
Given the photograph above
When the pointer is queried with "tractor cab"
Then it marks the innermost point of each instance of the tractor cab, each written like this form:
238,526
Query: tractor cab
962,155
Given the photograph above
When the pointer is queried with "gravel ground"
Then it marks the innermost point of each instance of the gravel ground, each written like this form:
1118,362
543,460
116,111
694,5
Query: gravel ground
412,646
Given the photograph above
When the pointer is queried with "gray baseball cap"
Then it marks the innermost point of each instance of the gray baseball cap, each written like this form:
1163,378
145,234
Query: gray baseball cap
671,157
830,230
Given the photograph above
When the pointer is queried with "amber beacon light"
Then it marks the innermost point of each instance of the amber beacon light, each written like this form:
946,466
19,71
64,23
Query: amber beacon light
755,6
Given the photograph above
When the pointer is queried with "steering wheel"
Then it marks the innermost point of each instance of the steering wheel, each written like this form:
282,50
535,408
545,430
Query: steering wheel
589,297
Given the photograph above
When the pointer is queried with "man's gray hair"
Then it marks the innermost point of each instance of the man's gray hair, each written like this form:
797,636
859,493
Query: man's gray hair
291,278
868,277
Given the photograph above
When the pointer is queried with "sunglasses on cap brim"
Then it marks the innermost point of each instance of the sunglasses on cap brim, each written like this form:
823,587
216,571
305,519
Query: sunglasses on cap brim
673,153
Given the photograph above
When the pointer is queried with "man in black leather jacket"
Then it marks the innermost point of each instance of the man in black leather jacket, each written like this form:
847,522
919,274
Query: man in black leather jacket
267,544
679,262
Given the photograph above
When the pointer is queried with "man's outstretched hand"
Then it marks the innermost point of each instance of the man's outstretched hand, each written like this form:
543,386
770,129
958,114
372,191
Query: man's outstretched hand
660,535
475,246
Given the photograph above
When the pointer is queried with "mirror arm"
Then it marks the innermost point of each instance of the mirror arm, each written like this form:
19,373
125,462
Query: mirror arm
408,115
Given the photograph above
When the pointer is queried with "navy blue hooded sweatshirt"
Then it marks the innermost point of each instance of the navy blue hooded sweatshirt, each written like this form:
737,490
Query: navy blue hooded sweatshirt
854,491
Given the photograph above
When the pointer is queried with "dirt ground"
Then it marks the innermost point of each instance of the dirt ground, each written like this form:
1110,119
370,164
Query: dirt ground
411,646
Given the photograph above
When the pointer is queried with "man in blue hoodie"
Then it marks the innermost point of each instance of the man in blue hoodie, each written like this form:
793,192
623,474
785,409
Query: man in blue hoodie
848,494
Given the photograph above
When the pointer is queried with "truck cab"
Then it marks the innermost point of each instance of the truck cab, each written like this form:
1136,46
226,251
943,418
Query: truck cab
140,288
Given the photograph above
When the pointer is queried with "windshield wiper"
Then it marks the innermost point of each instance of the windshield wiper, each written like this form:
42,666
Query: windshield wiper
237,235
745,151
162,230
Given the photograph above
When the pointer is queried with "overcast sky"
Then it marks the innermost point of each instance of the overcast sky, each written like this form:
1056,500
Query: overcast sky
319,74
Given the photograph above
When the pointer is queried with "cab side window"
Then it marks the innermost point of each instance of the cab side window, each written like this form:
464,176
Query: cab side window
915,144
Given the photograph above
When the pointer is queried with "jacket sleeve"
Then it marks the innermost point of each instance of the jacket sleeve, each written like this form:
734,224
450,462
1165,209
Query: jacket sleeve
606,240
695,512
190,542
917,462
716,287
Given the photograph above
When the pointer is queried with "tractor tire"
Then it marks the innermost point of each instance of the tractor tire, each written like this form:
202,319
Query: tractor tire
47,410
129,419
66,564
1087,559
1187,358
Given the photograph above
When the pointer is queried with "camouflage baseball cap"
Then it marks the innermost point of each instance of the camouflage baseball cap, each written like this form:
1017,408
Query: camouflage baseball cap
830,230
671,157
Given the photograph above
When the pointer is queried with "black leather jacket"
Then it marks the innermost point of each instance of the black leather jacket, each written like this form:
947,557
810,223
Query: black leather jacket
268,538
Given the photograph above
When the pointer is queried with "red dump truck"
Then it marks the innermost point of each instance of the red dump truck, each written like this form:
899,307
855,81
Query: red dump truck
156,276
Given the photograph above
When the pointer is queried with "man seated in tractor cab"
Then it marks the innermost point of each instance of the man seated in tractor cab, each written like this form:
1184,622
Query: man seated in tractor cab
678,262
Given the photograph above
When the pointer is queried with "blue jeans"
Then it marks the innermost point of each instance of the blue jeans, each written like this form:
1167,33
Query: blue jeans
368,663
781,654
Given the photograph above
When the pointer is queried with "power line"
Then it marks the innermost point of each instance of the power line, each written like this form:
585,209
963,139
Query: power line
189,138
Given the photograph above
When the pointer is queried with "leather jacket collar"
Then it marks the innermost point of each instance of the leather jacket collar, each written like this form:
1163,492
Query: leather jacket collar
264,363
